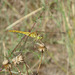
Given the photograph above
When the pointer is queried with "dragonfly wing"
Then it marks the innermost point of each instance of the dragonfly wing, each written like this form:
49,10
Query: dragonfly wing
52,36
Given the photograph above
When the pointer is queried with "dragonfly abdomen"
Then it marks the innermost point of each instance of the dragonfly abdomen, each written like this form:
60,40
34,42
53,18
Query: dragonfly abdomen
26,33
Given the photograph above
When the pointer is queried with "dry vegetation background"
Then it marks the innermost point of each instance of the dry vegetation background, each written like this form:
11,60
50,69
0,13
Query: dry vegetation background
58,15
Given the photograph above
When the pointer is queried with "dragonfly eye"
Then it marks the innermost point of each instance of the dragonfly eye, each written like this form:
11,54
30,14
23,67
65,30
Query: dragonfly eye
39,37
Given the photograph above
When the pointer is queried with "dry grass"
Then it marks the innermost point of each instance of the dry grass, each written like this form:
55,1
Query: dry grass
56,16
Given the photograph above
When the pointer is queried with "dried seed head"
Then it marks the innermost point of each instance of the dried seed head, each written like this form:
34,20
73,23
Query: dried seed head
6,64
18,59
41,47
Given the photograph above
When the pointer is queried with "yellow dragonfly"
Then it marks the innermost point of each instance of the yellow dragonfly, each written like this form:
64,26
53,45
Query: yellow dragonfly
31,34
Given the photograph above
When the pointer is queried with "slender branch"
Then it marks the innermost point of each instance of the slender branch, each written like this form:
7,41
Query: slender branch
26,67
10,71
18,70
40,63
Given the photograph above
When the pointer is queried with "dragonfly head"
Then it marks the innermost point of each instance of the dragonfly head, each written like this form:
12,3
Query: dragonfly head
39,37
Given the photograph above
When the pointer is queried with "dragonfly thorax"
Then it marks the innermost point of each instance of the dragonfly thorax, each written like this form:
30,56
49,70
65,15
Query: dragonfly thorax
39,37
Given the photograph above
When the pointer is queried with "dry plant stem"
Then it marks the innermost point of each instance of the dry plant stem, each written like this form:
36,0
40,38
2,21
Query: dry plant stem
35,22
14,73
40,63
73,8
25,17
5,53
34,66
67,66
18,70
67,18
26,67
10,71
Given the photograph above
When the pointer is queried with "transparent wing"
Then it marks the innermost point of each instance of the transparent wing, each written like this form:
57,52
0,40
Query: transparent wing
50,37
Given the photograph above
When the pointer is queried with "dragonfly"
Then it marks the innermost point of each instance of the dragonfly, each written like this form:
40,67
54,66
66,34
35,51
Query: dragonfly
31,34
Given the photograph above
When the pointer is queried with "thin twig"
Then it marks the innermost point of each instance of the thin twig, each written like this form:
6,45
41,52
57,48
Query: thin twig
34,66
13,72
40,63
26,67
18,70
66,16
10,71
5,53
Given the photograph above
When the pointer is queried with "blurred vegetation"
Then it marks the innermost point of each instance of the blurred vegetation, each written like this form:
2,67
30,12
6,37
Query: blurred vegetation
57,15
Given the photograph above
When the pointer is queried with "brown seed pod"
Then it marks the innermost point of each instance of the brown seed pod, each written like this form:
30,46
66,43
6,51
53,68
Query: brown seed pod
6,64
41,47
